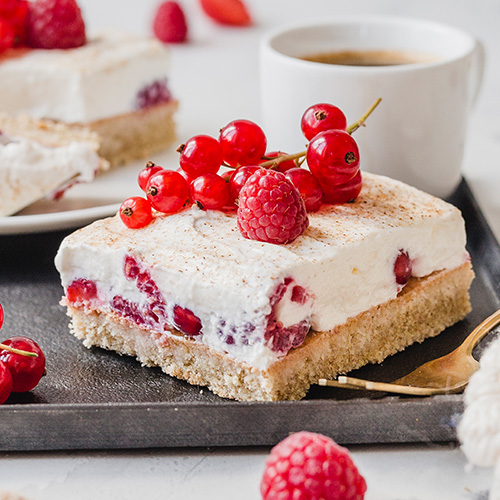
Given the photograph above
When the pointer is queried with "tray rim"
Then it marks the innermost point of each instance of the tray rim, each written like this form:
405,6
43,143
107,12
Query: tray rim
113,425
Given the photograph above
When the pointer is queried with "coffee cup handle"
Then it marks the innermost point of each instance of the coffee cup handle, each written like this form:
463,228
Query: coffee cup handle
478,64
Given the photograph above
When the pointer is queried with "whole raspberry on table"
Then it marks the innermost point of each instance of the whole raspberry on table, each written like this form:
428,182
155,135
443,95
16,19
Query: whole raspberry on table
55,24
270,208
169,24
311,466
13,19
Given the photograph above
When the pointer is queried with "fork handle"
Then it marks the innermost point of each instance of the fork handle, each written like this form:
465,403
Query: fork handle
480,332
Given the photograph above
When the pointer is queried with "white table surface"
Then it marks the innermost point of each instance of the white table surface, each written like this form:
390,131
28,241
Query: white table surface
215,77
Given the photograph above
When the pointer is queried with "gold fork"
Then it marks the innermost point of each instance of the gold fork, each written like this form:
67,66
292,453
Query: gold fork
445,375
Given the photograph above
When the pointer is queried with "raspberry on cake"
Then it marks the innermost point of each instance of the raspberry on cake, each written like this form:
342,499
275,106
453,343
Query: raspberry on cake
40,158
257,321
115,85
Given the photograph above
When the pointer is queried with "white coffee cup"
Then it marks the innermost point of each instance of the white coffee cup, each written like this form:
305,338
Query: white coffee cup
417,133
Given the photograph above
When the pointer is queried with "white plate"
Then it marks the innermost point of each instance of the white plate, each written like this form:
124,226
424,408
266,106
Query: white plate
83,203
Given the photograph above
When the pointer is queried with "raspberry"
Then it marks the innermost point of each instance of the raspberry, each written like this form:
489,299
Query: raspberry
312,466
169,24
13,12
7,35
229,12
270,208
55,24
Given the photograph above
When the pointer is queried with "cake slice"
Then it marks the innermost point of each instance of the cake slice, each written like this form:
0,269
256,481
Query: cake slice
115,85
39,158
257,321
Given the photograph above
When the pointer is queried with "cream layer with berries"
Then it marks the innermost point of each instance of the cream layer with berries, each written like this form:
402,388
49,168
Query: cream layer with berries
115,81
191,281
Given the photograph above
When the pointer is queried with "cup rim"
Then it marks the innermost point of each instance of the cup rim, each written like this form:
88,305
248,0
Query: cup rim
470,41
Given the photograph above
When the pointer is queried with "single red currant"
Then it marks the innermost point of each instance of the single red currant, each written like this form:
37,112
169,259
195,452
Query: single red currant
5,382
308,187
200,155
343,193
240,176
186,176
1,315
282,166
321,117
402,268
227,176
210,191
136,212
167,191
186,321
243,142
146,173
26,371
333,157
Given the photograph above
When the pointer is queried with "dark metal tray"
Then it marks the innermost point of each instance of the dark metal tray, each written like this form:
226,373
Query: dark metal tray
97,399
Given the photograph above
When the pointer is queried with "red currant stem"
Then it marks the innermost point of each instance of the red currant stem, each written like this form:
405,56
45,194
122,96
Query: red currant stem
19,351
276,161
359,123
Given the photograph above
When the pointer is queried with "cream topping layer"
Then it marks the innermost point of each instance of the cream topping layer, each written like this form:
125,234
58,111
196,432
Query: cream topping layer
98,80
30,171
344,262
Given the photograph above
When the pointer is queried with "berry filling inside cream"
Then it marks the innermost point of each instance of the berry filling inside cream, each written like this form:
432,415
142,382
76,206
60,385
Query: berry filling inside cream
113,74
193,274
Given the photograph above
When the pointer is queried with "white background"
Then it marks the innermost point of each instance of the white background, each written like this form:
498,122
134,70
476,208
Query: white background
215,77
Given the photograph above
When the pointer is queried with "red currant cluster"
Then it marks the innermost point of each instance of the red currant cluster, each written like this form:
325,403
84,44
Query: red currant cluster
333,176
46,24
22,364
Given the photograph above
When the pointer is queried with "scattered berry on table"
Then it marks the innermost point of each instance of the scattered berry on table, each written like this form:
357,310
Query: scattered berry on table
230,12
26,371
1,315
311,466
270,208
55,24
136,212
5,382
169,24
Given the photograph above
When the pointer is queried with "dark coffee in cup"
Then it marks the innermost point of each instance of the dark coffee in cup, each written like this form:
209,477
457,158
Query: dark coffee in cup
370,57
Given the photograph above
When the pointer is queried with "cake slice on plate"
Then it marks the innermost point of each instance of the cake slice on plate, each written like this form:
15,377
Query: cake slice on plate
115,85
257,321
40,158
